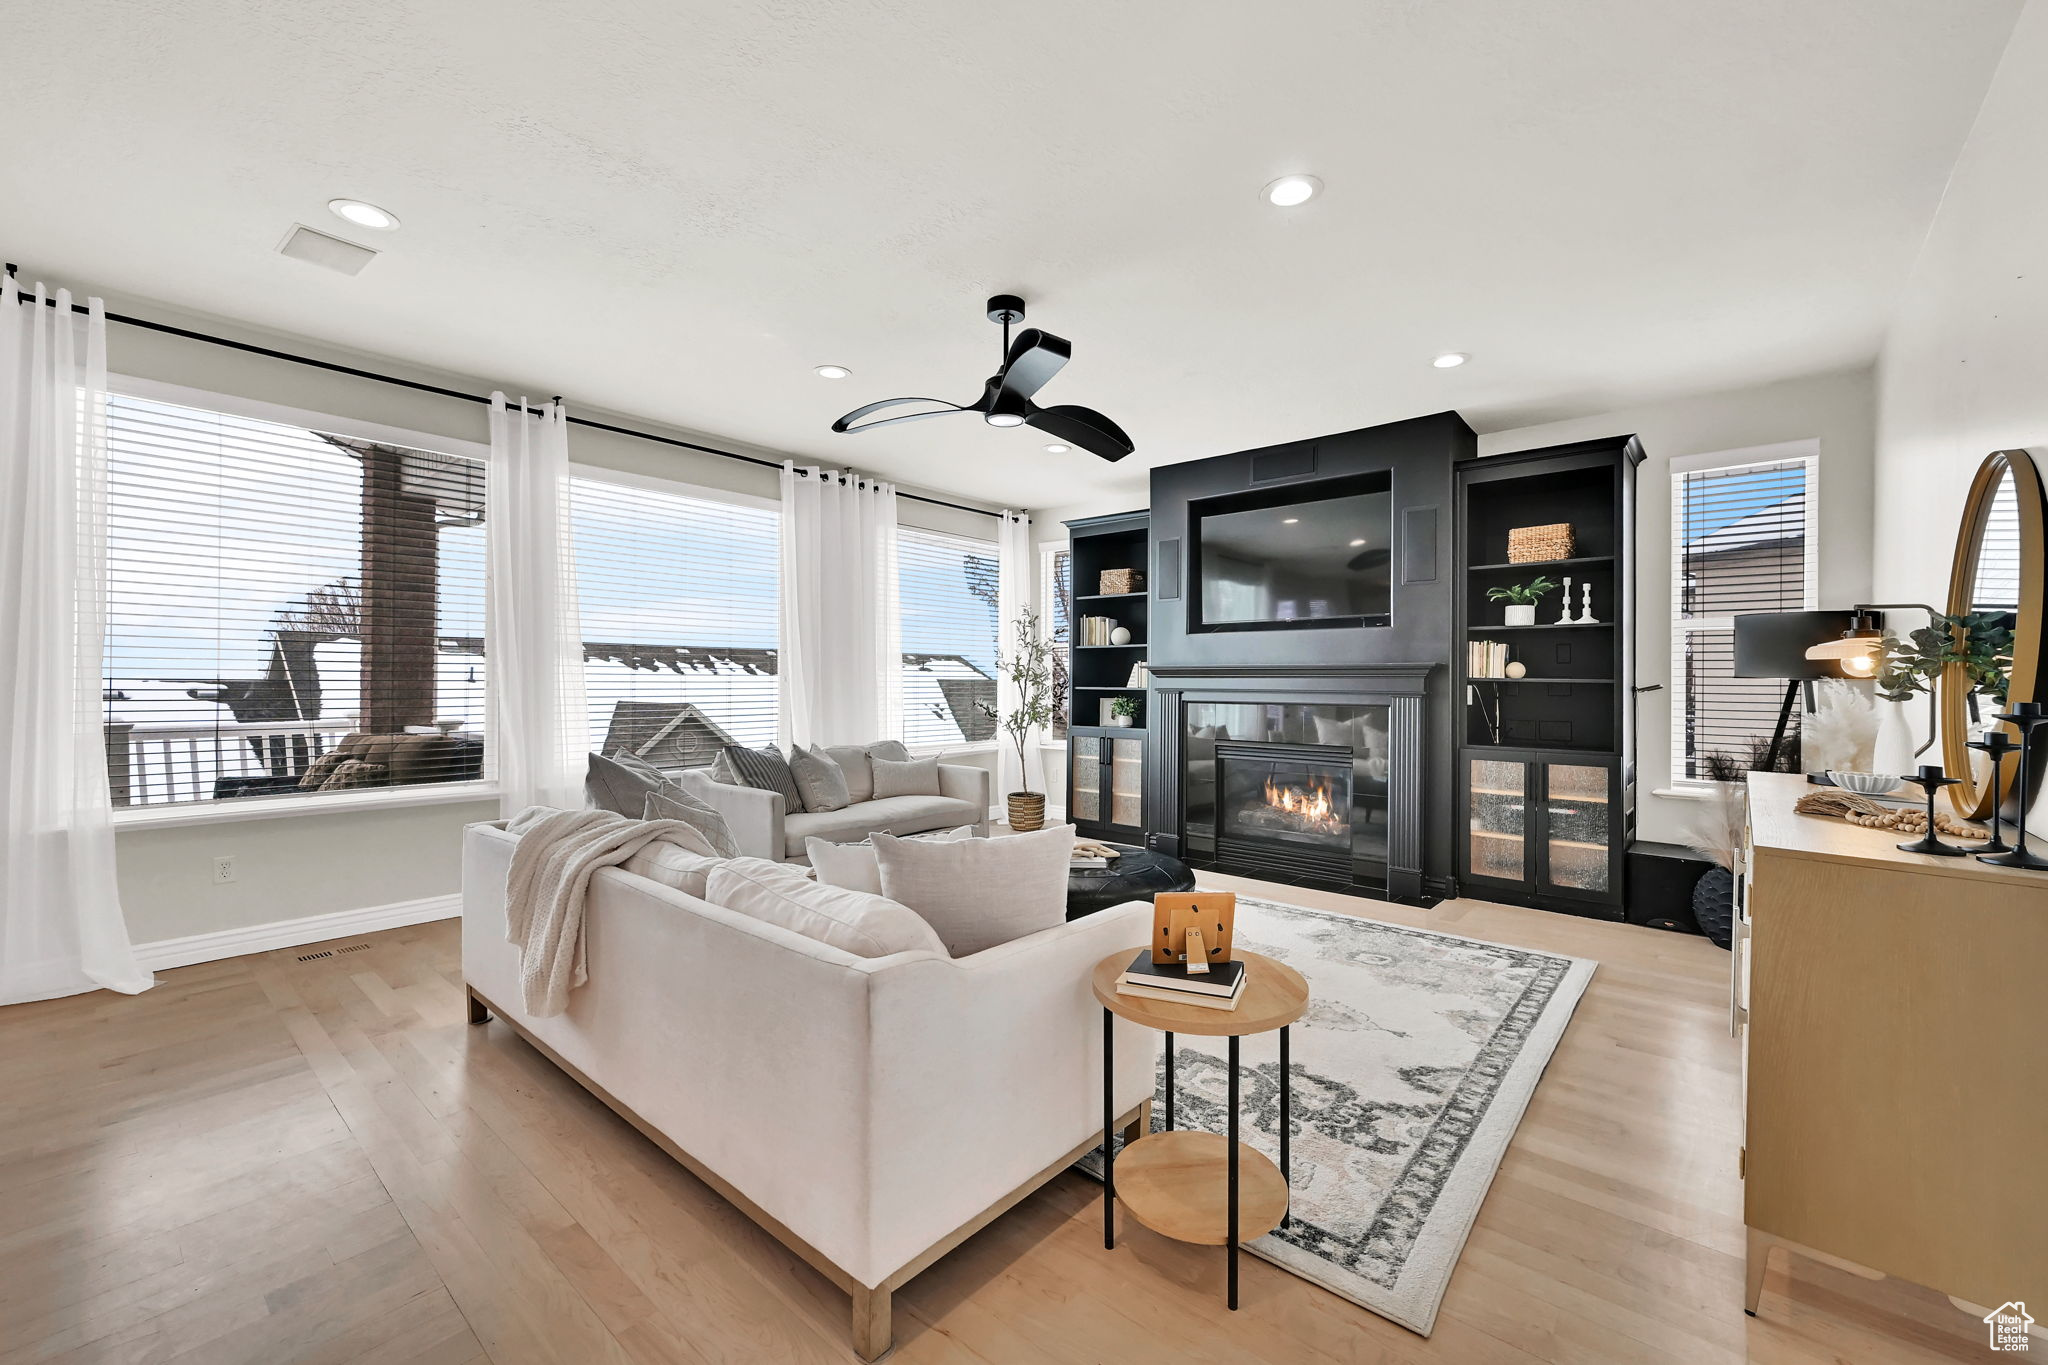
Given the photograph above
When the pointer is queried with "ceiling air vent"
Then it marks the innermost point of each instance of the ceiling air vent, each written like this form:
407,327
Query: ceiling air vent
331,253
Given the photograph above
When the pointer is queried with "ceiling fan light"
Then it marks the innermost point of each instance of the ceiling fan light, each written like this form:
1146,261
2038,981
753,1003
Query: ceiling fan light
1005,419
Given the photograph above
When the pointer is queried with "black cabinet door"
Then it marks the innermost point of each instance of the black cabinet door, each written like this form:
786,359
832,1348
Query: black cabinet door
1106,784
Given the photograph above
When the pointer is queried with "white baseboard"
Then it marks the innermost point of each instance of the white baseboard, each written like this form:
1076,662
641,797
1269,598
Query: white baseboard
291,933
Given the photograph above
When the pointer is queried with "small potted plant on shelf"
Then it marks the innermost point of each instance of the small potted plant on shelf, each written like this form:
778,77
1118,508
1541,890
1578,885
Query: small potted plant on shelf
1123,710
1029,669
1522,599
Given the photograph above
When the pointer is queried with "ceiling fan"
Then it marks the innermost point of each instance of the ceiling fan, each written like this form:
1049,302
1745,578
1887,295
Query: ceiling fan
1028,362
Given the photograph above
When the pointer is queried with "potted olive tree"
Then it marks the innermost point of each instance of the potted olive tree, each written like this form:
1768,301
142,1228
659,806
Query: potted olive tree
1522,599
1029,669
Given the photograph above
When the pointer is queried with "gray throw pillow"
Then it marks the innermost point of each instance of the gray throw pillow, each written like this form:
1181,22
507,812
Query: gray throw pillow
917,777
980,892
891,749
620,784
853,766
714,837
819,777
722,771
767,770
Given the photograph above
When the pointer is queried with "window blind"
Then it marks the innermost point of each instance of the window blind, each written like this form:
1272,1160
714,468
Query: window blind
273,590
1740,543
678,598
1998,555
948,604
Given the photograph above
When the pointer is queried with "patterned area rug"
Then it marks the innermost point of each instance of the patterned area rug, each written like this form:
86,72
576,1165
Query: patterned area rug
1412,1069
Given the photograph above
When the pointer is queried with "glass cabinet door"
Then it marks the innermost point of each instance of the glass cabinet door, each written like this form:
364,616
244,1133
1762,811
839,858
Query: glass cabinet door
1084,779
1127,783
1497,820
1576,830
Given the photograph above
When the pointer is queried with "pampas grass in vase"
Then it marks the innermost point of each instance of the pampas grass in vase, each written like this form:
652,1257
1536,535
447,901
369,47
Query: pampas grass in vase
1841,734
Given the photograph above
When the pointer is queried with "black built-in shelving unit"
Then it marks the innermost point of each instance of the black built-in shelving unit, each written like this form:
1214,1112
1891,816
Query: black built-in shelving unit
1106,764
1546,763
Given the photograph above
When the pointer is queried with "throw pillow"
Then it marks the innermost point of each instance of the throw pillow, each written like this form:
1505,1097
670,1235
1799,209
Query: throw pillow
767,770
320,769
711,838
978,893
620,783
918,777
353,772
852,866
722,771
891,749
672,865
861,924
853,766
819,777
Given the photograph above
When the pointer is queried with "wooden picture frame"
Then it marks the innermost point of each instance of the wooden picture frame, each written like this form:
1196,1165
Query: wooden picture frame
1212,914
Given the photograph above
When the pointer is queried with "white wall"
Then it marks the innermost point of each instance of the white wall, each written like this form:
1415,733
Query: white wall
294,866
1836,410
1964,369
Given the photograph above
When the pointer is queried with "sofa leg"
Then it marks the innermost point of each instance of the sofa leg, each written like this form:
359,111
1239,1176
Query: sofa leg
871,1322
479,1013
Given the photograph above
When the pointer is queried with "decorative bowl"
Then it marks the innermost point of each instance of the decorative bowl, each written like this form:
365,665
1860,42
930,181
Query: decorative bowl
1866,784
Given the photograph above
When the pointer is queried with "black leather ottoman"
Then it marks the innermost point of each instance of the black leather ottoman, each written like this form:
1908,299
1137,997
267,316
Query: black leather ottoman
1138,874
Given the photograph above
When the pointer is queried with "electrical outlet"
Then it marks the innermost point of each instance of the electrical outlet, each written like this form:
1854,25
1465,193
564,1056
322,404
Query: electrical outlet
223,871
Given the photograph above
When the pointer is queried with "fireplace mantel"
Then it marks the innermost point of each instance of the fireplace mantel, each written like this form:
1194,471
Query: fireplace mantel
1393,679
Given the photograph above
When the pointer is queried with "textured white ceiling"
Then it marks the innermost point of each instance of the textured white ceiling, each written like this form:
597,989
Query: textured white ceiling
676,210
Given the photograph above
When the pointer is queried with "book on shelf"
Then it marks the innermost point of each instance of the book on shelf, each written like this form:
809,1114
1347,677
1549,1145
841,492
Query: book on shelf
1222,979
1486,659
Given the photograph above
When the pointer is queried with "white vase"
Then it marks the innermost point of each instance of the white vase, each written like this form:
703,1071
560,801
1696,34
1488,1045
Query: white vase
1521,616
1120,636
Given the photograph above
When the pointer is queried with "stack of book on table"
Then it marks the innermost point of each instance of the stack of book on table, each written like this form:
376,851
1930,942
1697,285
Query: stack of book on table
1219,988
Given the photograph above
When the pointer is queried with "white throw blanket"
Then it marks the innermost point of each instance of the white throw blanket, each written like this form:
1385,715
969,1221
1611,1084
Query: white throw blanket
558,850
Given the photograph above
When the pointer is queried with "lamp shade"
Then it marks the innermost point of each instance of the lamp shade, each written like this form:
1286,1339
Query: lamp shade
1783,644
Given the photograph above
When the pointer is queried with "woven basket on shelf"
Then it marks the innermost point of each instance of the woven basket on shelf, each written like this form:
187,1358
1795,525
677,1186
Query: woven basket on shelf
1533,544
1116,581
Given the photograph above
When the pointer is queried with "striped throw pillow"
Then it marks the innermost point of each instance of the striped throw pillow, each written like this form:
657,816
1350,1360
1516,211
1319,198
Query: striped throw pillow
768,770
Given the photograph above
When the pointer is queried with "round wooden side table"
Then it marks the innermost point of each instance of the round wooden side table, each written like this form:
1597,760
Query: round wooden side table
1189,1185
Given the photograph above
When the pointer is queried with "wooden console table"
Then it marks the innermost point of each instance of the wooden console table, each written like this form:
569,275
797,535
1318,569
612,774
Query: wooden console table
1893,1008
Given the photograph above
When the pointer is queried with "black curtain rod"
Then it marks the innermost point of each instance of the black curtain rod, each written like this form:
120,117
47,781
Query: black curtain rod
334,368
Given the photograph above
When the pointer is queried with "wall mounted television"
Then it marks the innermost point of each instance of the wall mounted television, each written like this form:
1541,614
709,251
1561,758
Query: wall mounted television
1300,558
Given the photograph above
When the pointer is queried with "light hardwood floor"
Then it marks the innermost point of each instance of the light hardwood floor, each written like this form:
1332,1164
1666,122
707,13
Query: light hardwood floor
275,1161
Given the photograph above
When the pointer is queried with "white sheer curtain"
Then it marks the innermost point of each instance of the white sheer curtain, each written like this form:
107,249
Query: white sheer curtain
1016,571
61,927
533,634
841,661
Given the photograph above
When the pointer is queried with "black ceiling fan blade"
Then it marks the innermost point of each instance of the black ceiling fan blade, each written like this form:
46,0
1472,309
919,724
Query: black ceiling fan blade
846,423
1083,427
1034,357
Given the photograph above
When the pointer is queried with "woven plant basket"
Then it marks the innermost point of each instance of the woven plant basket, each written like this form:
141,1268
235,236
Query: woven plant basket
1027,811
1534,544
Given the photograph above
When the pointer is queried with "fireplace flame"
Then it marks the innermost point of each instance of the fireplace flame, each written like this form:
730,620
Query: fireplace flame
1310,809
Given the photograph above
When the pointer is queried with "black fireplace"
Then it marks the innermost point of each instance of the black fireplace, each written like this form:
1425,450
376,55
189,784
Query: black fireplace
1286,806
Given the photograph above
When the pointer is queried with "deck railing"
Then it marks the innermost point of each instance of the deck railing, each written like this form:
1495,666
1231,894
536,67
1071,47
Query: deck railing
165,763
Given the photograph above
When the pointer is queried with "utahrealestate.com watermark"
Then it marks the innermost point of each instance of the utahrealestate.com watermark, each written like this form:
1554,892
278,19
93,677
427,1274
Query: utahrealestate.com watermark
2009,1326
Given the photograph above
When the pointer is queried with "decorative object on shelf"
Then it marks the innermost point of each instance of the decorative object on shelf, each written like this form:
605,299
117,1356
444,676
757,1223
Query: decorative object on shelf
1865,784
1862,810
1995,745
1123,711
1028,669
1005,400
1522,599
1535,544
2026,717
1564,618
1586,617
1931,779
1486,659
1840,733
1121,635
1117,582
1516,669
1210,917
1141,675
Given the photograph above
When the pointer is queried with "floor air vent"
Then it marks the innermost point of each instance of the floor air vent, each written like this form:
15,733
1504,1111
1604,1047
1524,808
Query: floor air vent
334,952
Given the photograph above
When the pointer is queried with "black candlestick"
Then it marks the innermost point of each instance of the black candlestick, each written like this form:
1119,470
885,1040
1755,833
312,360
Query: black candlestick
1995,745
2026,717
1931,779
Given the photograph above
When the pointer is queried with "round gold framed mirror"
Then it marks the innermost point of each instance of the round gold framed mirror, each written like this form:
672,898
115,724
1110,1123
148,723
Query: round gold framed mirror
2000,560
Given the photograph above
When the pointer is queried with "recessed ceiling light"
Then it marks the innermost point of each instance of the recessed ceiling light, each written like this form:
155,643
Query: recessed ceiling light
1290,190
1057,449
1356,543
833,372
1450,360
1005,419
1290,521
364,215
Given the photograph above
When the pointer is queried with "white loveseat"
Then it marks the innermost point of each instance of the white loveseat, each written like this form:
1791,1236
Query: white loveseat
869,1112
763,827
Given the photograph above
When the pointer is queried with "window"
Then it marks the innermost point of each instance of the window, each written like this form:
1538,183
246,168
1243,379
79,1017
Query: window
273,588
1056,615
1741,541
679,596
947,588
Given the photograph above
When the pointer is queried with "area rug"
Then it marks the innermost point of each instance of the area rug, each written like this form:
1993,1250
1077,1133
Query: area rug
1412,1068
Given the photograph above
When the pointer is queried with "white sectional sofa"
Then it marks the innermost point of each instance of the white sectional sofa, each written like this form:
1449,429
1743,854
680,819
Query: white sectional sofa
764,828
871,1113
